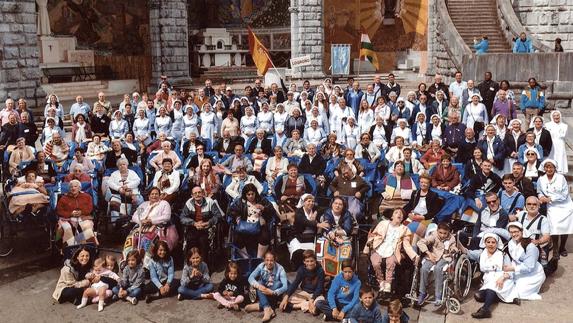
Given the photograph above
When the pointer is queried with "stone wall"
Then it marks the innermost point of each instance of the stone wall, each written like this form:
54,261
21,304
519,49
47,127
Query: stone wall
169,42
19,54
547,20
310,35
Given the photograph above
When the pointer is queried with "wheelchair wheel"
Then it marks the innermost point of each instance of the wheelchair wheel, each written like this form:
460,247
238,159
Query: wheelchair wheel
453,305
463,277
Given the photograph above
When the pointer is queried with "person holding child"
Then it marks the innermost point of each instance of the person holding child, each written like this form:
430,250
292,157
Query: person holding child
99,288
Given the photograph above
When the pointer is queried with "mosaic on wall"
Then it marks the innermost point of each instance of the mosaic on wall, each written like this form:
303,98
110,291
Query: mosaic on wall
238,13
392,25
121,27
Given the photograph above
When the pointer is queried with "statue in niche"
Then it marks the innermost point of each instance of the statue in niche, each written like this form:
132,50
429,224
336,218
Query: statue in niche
391,8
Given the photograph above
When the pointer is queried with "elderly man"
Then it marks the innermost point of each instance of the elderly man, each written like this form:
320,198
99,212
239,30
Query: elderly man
290,102
104,103
466,147
57,149
504,107
200,216
454,134
467,94
488,88
370,96
537,225
262,142
201,98
224,145
208,89
354,97
80,107
74,211
237,160
348,184
166,152
7,111
438,85
311,162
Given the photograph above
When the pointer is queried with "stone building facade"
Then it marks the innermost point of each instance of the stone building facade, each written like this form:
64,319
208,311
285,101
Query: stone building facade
307,35
547,20
19,54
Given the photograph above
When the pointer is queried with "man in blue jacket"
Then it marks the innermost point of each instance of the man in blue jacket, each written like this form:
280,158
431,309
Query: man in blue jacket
522,44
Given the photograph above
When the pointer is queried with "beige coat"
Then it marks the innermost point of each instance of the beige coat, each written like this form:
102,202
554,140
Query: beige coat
377,236
68,278
437,246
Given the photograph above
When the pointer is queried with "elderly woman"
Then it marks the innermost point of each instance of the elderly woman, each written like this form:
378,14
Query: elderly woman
492,148
350,133
558,131
288,190
497,284
57,149
398,189
553,191
166,152
251,214
434,155
77,173
314,134
30,195
276,166
420,138
295,121
141,128
260,141
123,189
524,267
349,160
248,124
445,176
153,223
163,122
514,138
206,178
80,159
378,133
475,114
117,152
97,149
167,181
402,131
21,153
422,208
81,130
117,127
331,148
385,244
532,169
75,222
72,281
436,128
100,121
240,179
396,152
295,146
529,144
367,150
231,124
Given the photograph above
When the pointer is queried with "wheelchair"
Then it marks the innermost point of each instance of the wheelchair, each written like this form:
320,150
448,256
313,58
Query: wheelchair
11,224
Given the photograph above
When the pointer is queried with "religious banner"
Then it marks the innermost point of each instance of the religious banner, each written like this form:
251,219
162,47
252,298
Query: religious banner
340,59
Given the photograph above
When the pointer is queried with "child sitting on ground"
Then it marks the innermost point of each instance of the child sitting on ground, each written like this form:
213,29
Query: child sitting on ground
310,278
342,295
195,279
438,247
367,311
132,279
231,291
99,287
395,313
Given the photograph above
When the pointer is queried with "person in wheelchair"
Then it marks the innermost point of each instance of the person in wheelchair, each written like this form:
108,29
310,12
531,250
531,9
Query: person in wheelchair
492,219
200,215
240,180
75,222
21,153
340,221
123,188
251,214
497,284
167,180
538,227
42,168
77,173
438,249
385,244
288,190
398,189
166,152
28,195
422,208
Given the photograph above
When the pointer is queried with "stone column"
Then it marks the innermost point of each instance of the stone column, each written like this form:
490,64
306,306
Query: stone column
309,36
19,53
169,42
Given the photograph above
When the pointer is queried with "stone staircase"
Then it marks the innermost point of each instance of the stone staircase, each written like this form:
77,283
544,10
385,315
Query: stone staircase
475,18
231,74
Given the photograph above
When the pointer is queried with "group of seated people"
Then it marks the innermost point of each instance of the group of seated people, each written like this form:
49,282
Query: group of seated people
267,158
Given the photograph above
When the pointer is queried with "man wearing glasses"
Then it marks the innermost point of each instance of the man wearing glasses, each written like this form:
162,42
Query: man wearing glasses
537,225
492,219
200,216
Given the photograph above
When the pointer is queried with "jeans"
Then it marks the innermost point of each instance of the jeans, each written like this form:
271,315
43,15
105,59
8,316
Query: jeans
438,277
71,294
490,299
189,293
136,292
324,307
267,301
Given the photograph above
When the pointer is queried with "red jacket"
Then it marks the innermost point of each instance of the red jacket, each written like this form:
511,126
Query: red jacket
68,203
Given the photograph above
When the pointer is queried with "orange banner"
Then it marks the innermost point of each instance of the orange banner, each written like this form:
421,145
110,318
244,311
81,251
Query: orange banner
259,53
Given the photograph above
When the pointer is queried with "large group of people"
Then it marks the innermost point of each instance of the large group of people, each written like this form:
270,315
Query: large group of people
304,166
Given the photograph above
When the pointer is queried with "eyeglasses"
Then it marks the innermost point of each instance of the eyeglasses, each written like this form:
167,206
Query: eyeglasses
491,202
197,193
530,154
531,204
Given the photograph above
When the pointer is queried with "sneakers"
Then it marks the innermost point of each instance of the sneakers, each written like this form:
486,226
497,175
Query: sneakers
179,297
132,300
421,299
387,287
438,302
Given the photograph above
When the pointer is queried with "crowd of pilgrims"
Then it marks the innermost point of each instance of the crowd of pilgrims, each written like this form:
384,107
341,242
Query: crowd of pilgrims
382,157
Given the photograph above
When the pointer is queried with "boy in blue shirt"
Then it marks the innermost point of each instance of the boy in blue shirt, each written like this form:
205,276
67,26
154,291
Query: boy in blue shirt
342,295
366,311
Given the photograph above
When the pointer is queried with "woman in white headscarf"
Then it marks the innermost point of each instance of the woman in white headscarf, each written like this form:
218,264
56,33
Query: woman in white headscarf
117,127
497,284
176,115
191,122
248,123
514,138
351,133
523,266
265,118
208,122
402,130
305,228
552,190
558,131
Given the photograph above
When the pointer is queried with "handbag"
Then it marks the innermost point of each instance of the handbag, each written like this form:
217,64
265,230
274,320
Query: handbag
249,228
